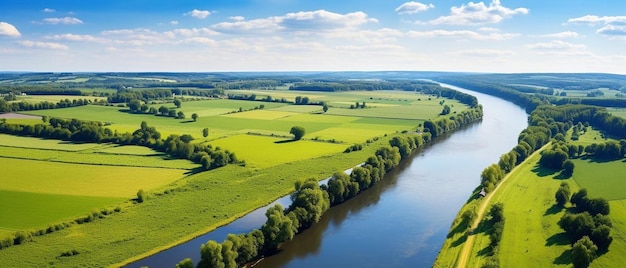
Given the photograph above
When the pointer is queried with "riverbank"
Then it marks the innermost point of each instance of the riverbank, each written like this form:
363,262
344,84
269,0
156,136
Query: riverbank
457,248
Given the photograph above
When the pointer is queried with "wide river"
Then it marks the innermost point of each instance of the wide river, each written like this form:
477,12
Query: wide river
400,222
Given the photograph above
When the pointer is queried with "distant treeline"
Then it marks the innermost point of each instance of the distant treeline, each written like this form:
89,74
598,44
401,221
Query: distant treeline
7,107
39,90
128,95
526,96
86,131
405,85
528,101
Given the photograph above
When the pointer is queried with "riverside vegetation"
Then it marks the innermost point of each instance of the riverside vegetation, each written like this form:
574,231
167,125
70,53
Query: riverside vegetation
542,228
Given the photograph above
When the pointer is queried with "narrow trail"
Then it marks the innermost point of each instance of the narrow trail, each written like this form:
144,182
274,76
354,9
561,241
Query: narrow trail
467,246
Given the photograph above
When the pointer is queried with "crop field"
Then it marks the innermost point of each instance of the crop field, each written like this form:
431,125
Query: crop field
80,179
27,210
27,142
270,151
49,181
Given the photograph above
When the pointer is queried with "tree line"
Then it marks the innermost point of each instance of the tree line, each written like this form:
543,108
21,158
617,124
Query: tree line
441,125
309,202
177,146
588,228
7,107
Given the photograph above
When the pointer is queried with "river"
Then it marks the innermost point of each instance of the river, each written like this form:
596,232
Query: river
400,222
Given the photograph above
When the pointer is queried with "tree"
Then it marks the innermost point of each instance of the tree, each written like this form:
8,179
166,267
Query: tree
297,132
180,115
325,108
562,195
205,132
583,252
141,196
186,263
134,105
211,255
446,110
163,110
497,212
568,168
194,116
178,103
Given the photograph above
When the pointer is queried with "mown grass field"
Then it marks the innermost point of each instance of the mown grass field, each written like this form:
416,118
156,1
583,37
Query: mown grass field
270,151
80,179
532,237
29,210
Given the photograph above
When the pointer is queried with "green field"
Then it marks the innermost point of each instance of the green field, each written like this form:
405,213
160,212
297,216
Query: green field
270,151
531,236
28,210
81,179
205,200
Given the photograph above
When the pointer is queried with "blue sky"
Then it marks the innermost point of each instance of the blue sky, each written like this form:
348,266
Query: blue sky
313,35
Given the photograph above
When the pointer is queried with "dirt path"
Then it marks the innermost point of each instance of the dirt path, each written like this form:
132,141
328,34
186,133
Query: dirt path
467,246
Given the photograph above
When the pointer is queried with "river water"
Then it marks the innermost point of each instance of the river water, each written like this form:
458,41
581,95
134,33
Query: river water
400,222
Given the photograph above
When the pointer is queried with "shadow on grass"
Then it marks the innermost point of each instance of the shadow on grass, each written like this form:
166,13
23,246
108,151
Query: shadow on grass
284,141
562,176
460,241
187,121
564,258
554,209
486,251
543,171
559,239
195,171
462,226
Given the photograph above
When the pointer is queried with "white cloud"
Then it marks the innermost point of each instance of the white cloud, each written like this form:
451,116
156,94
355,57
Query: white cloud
199,40
413,7
556,44
488,29
237,18
478,13
484,53
612,30
46,45
174,22
320,20
464,34
7,29
192,32
76,38
65,20
593,20
199,14
567,34
48,10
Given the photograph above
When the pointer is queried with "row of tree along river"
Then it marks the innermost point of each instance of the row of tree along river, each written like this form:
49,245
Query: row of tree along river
402,220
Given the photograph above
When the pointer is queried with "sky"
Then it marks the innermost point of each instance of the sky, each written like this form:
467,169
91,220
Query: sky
313,35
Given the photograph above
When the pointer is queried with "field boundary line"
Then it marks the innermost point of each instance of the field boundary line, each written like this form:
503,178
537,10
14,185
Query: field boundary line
90,164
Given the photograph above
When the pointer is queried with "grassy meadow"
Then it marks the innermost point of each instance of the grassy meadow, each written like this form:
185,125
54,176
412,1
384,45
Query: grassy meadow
181,204
532,237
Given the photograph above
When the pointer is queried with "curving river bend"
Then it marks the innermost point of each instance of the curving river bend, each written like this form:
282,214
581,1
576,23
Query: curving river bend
400,222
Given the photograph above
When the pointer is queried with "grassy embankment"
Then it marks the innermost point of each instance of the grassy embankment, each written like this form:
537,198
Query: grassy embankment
531,236
178,209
